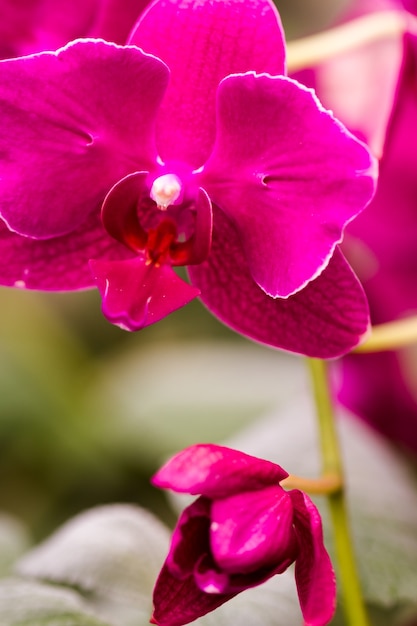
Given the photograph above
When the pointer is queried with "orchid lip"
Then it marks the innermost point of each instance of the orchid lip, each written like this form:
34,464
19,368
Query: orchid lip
166,218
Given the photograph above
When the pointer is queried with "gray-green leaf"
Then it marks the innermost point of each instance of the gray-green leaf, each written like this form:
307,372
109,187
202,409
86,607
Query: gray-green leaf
111,554
31,603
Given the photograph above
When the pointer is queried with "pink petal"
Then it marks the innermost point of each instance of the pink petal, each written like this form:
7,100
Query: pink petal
316,584
179,602
136,294
326,319
28,26
119,211
211,579
252,530
190,539
288,175
411,5
376,387
116,19
202,42
58,264
74,122
216,472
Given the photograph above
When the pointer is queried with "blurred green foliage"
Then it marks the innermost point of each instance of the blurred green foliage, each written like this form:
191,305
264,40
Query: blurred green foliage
66,444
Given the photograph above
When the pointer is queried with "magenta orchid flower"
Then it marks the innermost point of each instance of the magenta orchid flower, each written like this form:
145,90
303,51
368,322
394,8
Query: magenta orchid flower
111,177
243,529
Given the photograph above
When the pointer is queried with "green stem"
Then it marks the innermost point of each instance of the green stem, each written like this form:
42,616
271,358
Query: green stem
353,603
390,336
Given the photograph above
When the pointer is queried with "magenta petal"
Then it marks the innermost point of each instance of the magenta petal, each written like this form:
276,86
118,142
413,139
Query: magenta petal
119,211
326,319
116,19
58,264
210,578
216,472
375,388
73,123
190,539
136,294
202,42
179,602
200,241
252,530
288,175
28,26
316,584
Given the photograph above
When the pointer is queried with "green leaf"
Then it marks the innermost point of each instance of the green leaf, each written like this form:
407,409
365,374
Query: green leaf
111,554
29,603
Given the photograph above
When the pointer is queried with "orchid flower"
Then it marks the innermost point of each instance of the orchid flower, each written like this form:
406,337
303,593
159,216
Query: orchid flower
113,177
243,529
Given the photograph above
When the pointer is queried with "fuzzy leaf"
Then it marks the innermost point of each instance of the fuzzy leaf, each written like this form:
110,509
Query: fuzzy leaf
31,603
111,554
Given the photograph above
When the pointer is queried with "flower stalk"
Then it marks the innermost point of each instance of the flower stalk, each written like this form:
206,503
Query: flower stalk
364,30
390,336
353,603
324,485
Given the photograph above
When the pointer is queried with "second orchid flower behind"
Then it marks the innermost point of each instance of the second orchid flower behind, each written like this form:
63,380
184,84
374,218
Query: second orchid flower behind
243,529
188,147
